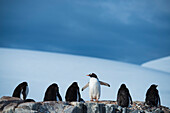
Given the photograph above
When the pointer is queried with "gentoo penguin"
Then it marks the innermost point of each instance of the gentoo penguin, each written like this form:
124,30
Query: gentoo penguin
52,93
21,91
123,96
152,96
94,86
73,94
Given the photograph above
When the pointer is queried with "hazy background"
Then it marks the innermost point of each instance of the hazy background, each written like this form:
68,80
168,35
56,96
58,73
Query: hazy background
124,30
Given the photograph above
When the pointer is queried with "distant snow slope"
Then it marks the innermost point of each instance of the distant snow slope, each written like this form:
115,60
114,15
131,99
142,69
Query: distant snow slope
40,69
162,64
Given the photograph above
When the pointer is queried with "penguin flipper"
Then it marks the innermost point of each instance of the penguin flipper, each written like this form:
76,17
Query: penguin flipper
131,102
85,86
103,83
59,97
159,101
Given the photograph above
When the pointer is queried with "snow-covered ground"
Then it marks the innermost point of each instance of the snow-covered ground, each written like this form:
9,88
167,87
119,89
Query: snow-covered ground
40,69
162,64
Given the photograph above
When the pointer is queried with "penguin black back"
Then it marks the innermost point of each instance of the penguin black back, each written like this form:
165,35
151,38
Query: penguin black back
52,93
123,96
29,100
72,93
21,90
152,96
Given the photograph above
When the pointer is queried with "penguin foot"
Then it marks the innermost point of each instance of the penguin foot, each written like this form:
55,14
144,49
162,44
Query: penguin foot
97,100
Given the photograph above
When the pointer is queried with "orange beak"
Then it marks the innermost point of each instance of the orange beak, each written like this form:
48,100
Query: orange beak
87,75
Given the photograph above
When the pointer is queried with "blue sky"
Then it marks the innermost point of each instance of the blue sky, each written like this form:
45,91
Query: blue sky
124,30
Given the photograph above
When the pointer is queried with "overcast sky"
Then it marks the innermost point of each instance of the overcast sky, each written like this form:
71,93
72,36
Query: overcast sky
133,31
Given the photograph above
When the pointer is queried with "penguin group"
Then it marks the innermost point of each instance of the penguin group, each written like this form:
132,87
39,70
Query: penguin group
124,98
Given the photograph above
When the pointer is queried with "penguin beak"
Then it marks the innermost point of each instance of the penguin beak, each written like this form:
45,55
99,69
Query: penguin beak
87,75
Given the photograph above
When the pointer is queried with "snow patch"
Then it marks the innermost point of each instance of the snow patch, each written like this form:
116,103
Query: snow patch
162,64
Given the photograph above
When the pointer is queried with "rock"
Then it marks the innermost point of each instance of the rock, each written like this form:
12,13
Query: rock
10,107
8,104
43,107
95,107
16,105
8,98
110,108
80,107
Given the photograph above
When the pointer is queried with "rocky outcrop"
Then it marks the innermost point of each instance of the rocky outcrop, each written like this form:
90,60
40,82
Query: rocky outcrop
16,105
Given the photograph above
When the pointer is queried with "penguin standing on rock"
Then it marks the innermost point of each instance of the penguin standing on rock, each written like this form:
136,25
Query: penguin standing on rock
73,94
21,91
52,93
94,86
123,96
152,96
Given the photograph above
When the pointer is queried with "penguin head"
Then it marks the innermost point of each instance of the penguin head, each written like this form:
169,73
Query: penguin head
154,86
74,84
92,75
55,86
123,86
23,84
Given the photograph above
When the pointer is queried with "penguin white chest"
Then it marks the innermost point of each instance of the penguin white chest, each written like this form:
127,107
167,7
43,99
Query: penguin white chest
26,93
94,88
